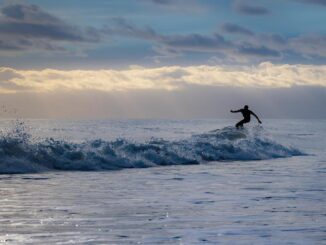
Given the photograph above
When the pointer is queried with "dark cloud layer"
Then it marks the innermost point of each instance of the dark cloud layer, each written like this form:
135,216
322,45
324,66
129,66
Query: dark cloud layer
243,7
171,45
258,51
120,26
24,27
197,42
28,13
29,27
236,29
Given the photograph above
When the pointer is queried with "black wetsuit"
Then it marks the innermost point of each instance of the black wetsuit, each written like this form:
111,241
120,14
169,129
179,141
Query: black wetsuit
246,114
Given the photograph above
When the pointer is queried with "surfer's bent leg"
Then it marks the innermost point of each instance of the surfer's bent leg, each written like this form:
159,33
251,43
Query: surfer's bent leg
240,124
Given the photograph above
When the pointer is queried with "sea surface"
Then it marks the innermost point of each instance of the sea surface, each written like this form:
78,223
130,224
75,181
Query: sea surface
162,182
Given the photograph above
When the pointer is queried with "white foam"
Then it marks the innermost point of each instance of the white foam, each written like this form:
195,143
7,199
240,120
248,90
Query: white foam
19,155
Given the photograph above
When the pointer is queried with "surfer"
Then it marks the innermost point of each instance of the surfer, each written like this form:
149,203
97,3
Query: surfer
246,114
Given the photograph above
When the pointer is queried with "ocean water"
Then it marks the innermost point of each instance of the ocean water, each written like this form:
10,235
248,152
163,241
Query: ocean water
162,182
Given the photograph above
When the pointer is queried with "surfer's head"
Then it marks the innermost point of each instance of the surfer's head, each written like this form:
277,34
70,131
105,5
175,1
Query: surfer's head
246,107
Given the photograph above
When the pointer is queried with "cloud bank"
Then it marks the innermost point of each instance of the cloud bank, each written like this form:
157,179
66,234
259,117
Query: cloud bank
252,47
264,75
25,27
30,28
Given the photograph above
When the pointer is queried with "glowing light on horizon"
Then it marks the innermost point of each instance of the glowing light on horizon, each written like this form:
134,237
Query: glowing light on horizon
264,75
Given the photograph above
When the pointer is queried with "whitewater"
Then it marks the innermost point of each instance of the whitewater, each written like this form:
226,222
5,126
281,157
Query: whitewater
162,182
19,154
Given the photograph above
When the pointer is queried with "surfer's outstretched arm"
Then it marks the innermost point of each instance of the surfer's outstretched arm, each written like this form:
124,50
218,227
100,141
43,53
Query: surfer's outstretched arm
235,111
256,117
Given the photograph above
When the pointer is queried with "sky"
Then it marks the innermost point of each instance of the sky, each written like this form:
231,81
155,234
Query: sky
162,58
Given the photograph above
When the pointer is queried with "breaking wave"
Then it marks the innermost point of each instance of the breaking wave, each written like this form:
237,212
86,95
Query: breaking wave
18,154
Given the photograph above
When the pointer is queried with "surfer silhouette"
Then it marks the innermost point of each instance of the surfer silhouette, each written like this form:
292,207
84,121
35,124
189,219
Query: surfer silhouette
246,113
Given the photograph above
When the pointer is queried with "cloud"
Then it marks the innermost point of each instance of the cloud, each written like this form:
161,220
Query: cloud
307,47
313,44
175,45
193,6
121,27
243,7
251,47
7,74
28,13
29,28
197,42
24,27
258,51
167,78
236,29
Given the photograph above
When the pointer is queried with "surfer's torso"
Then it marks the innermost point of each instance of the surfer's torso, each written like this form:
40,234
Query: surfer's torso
246,114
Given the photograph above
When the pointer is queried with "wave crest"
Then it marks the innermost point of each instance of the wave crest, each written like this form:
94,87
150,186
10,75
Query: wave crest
19,155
